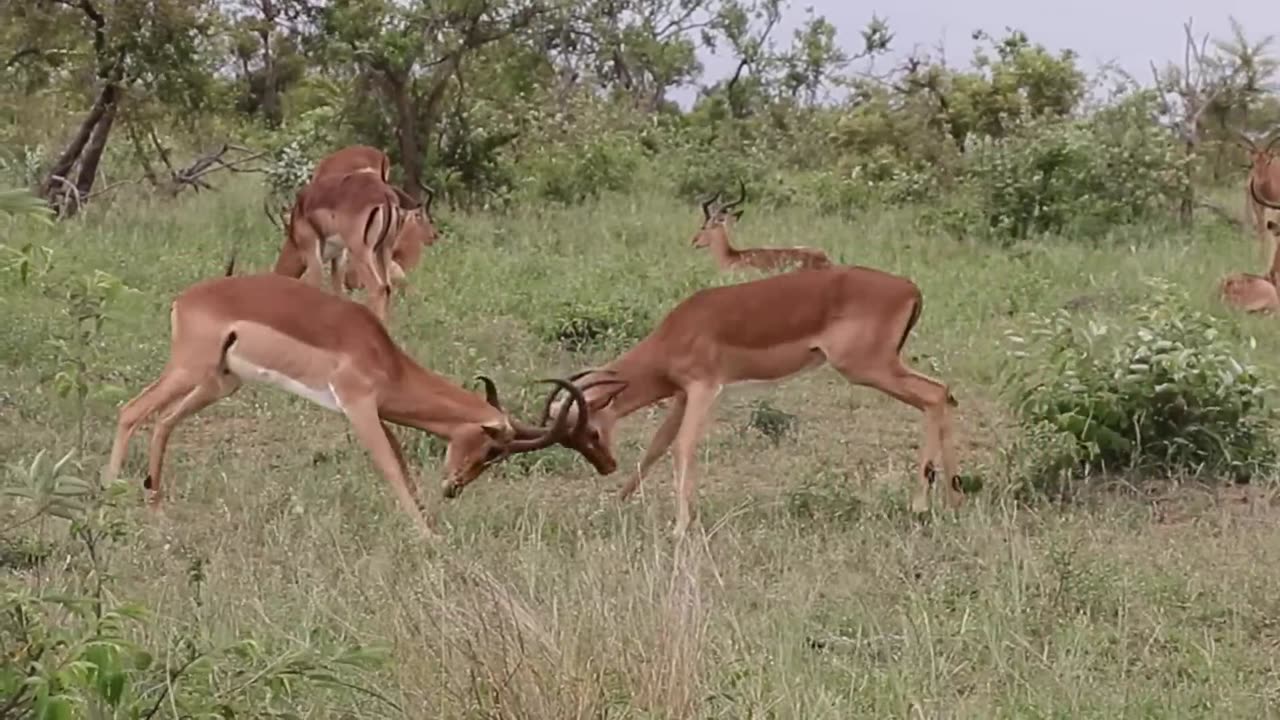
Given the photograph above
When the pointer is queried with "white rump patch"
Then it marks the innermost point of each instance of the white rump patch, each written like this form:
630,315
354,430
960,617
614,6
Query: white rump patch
332,247
248,372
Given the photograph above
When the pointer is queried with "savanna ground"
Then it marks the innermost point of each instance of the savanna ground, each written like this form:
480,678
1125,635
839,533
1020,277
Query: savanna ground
806,591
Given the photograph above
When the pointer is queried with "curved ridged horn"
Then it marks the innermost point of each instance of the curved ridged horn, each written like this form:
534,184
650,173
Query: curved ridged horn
706,206
742,195
560,430
551,399
490,392
431,195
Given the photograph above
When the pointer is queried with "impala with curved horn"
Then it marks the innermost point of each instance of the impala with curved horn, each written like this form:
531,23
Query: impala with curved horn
714,234
855,319
1262,187
335,353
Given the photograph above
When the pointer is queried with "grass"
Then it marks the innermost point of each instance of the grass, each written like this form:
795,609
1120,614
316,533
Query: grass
806,592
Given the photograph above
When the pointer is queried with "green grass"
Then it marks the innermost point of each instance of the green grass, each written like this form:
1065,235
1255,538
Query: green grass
805,592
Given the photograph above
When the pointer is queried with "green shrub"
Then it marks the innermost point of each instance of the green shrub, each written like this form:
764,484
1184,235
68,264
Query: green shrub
575,172
1054,176
1167,395
595,324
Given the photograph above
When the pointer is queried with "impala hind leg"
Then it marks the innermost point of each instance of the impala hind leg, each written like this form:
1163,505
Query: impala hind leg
698,401
373,277
658,447
167,388
933,399
211,389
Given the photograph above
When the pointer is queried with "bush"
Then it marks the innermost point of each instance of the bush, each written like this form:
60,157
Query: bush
595,324
1052,176
1167,395
572,173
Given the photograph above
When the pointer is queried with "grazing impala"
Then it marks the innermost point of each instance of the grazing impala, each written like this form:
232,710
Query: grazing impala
416,231
335,353
343,219
854,318
714,234
1255,293
354,158
1262,187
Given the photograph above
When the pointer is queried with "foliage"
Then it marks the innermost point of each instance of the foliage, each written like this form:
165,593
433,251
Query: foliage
21,203
75,651
597,323
1072,176
1168,395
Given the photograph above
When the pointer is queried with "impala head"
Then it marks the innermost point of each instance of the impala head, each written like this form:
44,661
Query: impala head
418,228
1260,156
592,435
474,447
716,217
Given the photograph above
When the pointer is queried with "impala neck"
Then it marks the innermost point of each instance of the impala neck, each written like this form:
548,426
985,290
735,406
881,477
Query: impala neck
422,399
721,250
646,379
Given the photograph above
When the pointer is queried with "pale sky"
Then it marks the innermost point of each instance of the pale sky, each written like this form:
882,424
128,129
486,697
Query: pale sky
1130,33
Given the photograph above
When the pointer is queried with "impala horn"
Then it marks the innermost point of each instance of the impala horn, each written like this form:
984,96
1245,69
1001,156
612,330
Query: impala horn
490,392
742,195
706,206
581,425
558,431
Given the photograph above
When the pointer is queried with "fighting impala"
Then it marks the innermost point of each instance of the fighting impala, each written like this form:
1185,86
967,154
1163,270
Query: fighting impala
854,318
1255,293
1262,187
714,234
335,353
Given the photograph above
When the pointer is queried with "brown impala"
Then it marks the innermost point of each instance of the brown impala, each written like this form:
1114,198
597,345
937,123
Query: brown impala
1255,293
1262,187
335,353
417,229
714,234
854,318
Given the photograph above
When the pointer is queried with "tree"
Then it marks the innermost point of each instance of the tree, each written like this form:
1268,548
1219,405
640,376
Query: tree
154,45
414,51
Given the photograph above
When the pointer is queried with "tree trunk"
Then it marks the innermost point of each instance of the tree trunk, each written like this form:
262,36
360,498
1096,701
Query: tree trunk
92,156
62,166
406,133
1186,208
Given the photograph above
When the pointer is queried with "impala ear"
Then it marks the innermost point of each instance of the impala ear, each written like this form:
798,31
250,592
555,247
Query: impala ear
499,431
737,214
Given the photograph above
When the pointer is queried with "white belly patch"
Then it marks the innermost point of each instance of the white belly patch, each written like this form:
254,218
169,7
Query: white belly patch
249,372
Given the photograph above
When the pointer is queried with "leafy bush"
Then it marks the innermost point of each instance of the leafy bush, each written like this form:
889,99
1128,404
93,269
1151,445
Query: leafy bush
1052,176
577,172
597,323
1167,395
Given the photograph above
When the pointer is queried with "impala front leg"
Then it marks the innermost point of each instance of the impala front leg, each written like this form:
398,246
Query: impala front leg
387,458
